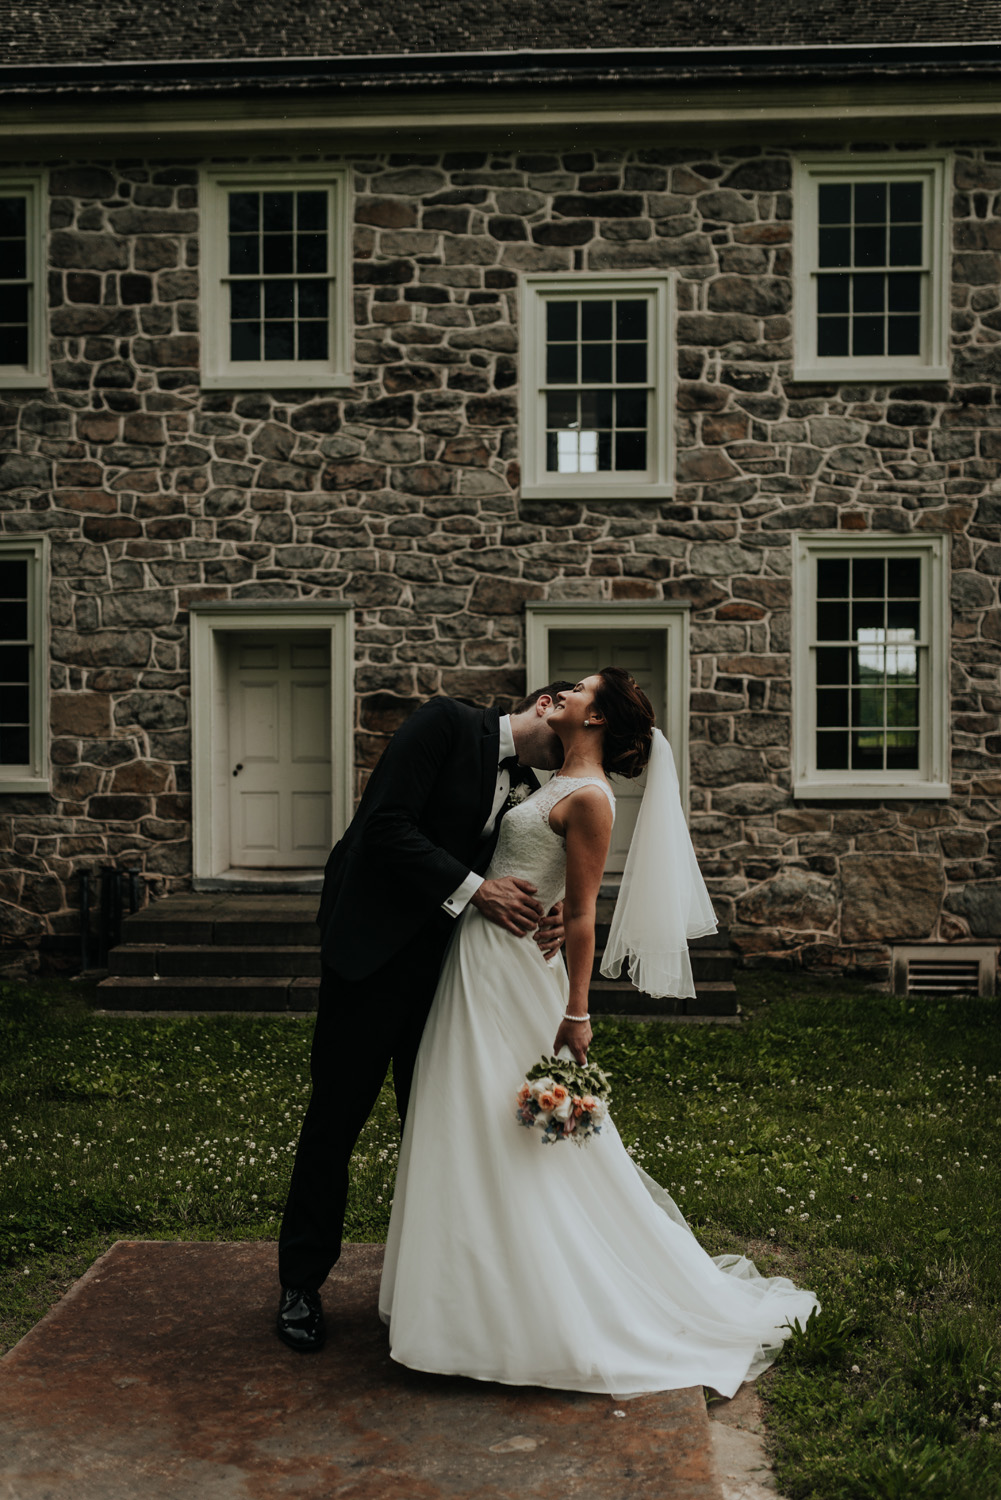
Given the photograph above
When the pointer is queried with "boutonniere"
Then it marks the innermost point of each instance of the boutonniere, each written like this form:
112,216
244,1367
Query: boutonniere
518,793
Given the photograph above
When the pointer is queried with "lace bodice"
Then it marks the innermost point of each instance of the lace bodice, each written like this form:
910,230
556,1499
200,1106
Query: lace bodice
528,847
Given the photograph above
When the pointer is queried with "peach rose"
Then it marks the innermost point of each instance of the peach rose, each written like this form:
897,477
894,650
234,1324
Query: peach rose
546,1100
560,1093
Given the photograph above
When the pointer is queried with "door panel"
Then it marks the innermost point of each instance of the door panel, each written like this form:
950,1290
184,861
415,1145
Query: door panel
578,653
280,747
310,719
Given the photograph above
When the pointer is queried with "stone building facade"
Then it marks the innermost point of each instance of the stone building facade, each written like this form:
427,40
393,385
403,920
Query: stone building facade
397,499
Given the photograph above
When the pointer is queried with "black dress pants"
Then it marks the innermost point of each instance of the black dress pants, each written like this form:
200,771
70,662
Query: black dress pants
361,1026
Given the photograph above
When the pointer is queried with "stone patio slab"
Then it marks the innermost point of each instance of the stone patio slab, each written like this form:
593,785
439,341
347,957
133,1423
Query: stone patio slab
159,1375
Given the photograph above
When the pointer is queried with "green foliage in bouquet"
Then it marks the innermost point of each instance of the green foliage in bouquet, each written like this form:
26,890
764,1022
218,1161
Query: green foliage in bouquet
589,1079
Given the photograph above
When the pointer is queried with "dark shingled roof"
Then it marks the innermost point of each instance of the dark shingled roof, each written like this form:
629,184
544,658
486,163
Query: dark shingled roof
82,31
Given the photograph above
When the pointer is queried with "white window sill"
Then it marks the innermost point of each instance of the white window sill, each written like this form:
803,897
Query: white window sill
278,380
576,489
869,791
19,785
860,370
17,380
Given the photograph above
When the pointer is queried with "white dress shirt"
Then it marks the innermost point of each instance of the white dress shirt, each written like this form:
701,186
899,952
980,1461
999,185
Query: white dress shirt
456,903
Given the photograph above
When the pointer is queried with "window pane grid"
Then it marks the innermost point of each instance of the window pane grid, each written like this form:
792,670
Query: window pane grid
15,282
596,385
870,662
15,663
279,275
872,268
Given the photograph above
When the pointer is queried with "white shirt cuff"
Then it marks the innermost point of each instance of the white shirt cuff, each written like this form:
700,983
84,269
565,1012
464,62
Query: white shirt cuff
456,903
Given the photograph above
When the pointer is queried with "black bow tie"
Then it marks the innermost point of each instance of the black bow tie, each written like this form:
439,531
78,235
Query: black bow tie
509,764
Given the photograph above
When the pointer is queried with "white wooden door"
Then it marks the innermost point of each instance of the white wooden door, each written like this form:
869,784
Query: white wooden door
577,653
279,741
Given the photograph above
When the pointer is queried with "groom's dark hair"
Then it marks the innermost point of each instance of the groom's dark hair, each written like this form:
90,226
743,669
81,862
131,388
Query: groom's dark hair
549,691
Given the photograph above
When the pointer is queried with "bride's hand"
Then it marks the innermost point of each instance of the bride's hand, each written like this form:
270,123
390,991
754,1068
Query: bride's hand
550,934
577,1036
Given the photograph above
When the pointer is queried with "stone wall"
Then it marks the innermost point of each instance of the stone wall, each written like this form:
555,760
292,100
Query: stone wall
402,497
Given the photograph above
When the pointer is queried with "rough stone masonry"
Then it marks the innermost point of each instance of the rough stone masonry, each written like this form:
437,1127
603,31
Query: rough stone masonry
401,496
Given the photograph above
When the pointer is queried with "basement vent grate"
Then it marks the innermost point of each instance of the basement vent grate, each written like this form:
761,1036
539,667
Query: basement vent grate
937,976
945,970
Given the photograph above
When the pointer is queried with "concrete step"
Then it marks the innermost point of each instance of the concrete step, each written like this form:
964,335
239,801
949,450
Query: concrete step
214,960
129,992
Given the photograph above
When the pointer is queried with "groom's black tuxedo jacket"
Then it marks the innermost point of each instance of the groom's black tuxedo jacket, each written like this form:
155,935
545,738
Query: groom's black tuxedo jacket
414,838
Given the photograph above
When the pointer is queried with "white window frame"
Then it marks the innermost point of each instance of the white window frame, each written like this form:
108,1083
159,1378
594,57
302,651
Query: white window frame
219,372
34,775
536,290
931,778
34,374
670,619
809,172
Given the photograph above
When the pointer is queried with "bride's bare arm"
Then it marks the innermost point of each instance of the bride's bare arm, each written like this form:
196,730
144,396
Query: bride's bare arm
585,821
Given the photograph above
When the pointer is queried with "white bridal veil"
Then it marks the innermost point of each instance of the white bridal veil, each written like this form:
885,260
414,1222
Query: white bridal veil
663,900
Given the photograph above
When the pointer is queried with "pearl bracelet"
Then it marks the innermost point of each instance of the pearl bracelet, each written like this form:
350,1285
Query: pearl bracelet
568,1017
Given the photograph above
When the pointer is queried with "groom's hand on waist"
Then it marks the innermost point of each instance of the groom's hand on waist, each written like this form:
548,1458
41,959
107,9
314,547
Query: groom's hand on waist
509,902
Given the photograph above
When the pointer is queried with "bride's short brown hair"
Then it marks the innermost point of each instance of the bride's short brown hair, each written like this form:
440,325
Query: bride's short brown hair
628,722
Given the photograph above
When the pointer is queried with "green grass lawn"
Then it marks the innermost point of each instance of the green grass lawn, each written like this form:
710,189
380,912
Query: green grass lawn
845,1138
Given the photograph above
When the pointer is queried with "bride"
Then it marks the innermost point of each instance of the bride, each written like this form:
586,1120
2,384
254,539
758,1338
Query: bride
564,1268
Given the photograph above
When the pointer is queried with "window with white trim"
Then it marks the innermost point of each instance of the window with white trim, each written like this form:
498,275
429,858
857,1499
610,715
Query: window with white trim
277,278
871,294
870,666
595,386
23,665
22,282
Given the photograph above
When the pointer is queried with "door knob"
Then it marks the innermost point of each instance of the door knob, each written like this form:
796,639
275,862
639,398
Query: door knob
237,769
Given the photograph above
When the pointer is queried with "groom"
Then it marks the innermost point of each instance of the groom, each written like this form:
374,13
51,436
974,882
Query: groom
409,863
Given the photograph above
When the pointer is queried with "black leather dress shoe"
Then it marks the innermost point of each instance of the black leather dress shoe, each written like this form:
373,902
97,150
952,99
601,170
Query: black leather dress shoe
300,1320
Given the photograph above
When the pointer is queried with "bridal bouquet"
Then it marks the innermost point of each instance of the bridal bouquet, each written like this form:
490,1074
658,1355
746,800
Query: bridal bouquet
568,1102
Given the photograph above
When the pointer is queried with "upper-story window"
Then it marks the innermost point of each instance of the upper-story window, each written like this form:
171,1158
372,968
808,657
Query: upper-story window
277,251
22,305
870,249
595,386
23,665
870,666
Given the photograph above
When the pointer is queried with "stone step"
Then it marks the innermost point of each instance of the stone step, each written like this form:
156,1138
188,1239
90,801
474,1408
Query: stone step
617,997
214,960
706,964
229,921
299,993
217,960
186,992
712,940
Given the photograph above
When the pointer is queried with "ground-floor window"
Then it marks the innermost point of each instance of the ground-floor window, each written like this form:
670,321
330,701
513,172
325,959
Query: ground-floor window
23,665
870,654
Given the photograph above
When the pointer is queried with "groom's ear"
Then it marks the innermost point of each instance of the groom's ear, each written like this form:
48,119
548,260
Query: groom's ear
543,704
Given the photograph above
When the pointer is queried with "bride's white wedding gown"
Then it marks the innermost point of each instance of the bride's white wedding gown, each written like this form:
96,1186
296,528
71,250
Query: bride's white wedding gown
547,1265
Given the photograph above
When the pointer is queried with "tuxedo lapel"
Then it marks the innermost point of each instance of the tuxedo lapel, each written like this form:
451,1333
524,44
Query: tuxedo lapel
489,756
